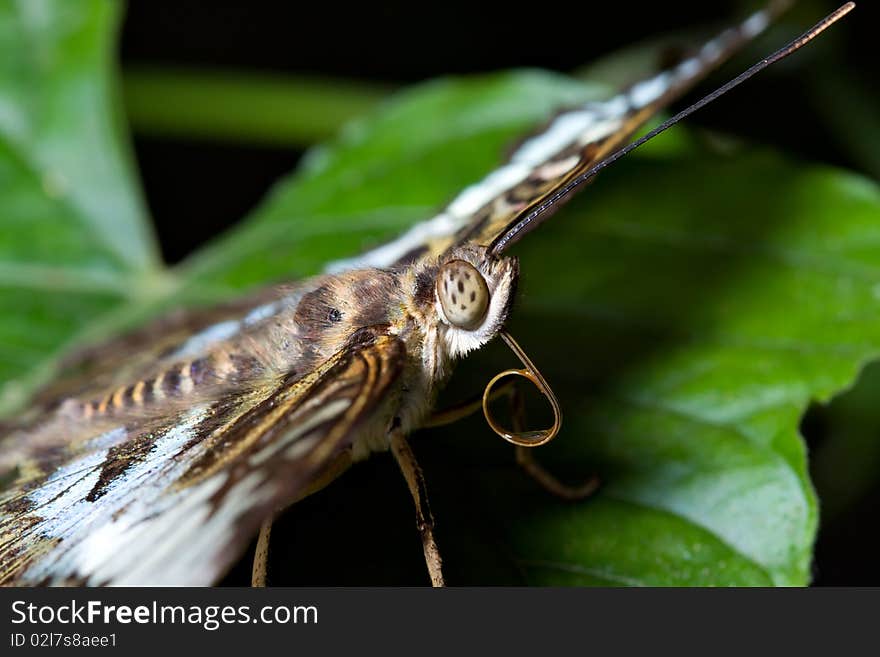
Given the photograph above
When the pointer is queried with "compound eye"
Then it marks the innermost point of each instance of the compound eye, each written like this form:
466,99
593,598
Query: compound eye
463,294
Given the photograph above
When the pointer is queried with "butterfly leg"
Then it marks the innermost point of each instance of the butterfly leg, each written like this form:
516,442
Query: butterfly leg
415,480
466,408
550,483
526,460
524,455
261,554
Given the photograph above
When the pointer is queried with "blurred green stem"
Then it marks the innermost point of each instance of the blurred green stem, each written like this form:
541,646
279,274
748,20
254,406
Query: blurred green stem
244,107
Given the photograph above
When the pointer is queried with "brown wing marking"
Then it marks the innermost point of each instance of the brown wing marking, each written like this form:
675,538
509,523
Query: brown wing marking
127,357
177,503
570,144
621,117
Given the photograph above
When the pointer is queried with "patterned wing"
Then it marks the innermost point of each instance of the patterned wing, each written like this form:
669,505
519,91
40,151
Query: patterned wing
130,356
175,501
569,145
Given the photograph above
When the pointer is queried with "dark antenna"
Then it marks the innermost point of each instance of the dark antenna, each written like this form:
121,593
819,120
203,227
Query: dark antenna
535,216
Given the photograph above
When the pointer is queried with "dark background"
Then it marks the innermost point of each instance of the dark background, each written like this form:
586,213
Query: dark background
796,106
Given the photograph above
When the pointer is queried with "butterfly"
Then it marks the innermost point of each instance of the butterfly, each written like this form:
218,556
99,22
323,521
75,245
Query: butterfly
156,457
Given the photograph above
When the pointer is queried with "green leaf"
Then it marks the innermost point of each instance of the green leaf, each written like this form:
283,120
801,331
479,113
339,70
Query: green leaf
426,144
686,308
74,238
695,329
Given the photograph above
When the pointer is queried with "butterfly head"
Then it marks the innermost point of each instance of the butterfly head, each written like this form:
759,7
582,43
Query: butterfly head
473,293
